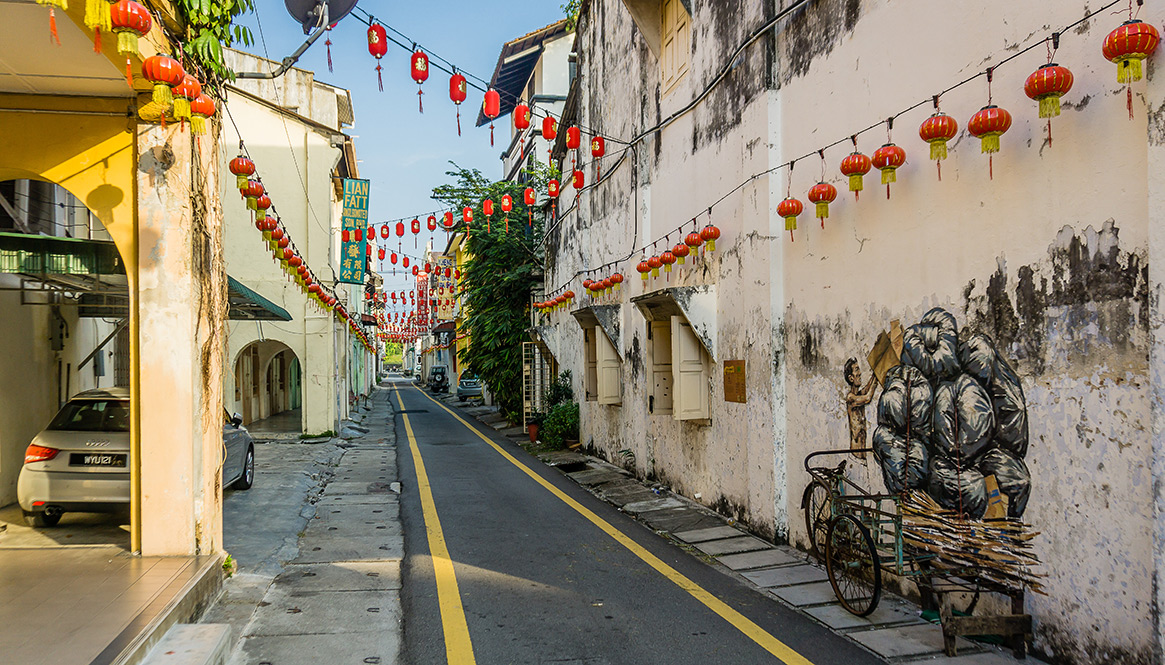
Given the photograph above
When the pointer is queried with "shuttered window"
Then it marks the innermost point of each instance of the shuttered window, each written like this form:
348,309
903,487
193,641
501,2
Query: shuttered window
610,385
591,383
692,373
660,401
675,43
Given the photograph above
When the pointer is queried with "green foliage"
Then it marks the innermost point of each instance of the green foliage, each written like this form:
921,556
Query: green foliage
210,27
561,424
570,8
560,390
498,278
393,353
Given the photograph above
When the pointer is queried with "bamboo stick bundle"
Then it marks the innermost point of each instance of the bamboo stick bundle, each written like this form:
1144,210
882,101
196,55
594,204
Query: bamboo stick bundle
999,551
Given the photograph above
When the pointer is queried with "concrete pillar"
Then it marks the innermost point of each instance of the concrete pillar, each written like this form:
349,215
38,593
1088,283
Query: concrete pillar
181,309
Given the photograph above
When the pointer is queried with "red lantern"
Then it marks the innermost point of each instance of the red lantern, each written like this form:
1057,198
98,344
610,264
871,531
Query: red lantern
404,263
400,229
467,215
491,106
529,196
252,191
447,273
186,91
680,251
243,168
420,72
432,223
573,138
822,194
415,270
359,234
644,268
201,108
380,253
937,130
507,206
384,231
988,125
598,149
694,241
1127,46
392,258
789,209
521,117
416,226
667,259
709,234
578,180
887,159
1046,85
457,90
448,219
855,166
344,235
617,280
456,274
487,207
552,189
549,131
655,264
165,73
130,21
378,46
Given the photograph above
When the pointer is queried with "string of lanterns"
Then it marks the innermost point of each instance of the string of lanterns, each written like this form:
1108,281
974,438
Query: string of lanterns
1127,46
280,244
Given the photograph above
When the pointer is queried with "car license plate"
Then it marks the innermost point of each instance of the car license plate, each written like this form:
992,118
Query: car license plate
97,459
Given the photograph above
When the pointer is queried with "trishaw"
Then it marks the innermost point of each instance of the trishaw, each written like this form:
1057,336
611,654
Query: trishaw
860,537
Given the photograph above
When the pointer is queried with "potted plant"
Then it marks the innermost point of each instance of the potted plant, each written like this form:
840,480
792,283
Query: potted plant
533,425
560,428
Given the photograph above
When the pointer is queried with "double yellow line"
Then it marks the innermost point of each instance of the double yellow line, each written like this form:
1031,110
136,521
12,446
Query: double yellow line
457,643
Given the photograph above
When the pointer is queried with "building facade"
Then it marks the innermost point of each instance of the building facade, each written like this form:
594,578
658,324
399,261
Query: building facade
720,376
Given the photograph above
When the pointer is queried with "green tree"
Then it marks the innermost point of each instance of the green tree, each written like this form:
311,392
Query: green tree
210,26
498,278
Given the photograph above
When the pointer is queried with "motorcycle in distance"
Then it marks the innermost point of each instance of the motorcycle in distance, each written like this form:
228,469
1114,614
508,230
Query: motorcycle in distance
439,380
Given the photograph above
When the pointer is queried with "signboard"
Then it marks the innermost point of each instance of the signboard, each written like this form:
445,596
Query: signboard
444,295
734,390
354,222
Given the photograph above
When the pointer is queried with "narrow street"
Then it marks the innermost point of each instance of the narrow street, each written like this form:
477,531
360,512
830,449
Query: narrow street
546,572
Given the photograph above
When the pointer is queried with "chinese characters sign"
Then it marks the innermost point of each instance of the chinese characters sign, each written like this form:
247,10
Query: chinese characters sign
353,222
444,287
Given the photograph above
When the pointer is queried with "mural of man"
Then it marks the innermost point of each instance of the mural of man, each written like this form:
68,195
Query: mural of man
855,403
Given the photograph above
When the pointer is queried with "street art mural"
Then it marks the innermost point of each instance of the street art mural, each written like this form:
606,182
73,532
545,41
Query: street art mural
951,417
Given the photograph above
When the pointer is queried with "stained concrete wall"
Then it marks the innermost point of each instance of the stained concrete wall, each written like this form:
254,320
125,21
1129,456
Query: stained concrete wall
1053,258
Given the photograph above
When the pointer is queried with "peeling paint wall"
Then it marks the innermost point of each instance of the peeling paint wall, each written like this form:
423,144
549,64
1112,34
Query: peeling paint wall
1050,258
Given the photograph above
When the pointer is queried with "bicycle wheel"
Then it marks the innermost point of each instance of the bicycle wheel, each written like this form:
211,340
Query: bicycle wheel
816,504
852,564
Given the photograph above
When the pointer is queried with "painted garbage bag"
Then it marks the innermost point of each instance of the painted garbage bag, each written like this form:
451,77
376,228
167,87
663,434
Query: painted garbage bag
980,359
932,346
963,419
903,462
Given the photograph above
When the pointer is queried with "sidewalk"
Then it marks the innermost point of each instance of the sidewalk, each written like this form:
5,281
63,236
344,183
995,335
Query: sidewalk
894,632
337,599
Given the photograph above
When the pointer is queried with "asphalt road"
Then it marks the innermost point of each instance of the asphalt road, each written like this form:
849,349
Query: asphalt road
539,582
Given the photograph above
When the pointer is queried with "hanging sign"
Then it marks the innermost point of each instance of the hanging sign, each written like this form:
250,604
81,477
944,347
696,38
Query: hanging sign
442,263
353,222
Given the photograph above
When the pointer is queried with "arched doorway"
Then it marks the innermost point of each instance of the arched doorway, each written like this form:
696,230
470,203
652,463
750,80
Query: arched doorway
64,316
267,387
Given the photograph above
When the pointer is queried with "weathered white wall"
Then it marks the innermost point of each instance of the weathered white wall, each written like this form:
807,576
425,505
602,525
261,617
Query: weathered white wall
296,162
1049,258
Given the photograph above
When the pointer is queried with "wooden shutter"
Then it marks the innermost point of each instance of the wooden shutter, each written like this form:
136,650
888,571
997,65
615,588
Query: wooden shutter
692,394
661,367
592,374
610,388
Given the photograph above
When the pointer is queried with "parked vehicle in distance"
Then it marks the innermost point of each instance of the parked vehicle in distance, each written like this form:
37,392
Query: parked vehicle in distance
80,461
469,387
439,379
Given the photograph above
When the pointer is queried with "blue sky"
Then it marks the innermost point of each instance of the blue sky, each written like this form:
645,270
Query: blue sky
402,152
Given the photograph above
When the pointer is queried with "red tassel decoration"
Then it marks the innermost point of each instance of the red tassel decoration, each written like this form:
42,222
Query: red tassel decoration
97,40
379,81
459,120
53,26
420,100
491,134
328,44
128,72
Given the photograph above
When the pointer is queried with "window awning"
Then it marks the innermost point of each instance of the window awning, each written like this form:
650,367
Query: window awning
246,305
697,304
49,255
607,317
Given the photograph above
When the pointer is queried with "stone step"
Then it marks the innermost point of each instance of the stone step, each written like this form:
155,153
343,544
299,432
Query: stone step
192,644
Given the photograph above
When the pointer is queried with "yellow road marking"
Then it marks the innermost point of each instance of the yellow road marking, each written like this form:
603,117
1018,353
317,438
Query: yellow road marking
458,647
741,622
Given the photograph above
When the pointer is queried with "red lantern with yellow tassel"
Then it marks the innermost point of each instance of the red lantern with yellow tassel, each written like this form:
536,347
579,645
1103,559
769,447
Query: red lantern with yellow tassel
201,109
1128,45
855,166
680,251
655,264
822,194
937,130
888,159
184,93
419,68
165,73
243,168
790,208
709,234
130,21
988,125
1047,85
97,18
644,269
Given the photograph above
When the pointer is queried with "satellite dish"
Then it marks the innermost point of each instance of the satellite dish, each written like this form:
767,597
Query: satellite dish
307,12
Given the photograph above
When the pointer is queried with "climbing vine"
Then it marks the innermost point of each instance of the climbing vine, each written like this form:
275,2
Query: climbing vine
211,27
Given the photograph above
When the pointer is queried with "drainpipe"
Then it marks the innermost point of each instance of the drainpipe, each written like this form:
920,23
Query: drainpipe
135,367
